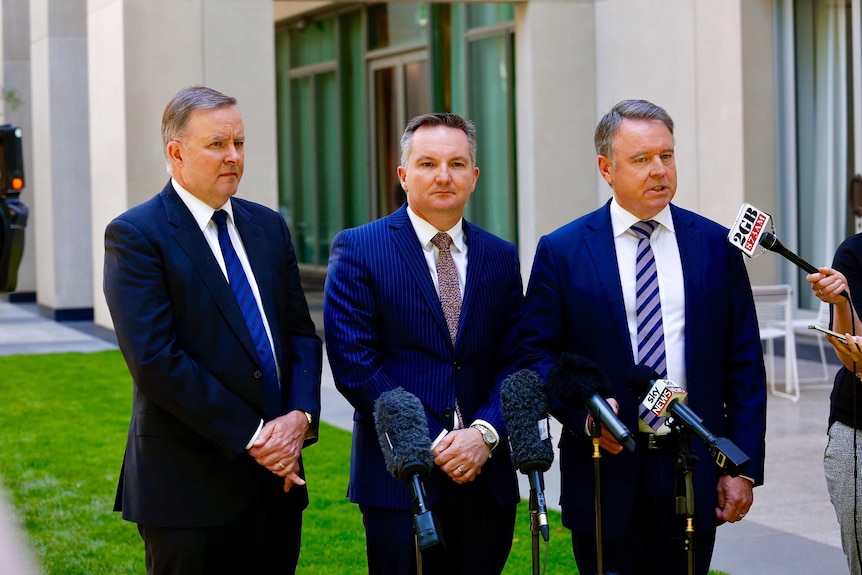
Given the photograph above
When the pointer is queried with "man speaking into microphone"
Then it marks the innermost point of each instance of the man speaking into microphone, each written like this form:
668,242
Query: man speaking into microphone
642,281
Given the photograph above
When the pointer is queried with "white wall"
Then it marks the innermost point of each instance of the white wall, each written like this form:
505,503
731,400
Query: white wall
555,98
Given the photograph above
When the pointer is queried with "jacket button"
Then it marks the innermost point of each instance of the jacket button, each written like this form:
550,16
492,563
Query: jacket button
448,413
257,374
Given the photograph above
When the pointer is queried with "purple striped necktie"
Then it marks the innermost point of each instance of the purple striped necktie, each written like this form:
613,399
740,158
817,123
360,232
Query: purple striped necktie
650,334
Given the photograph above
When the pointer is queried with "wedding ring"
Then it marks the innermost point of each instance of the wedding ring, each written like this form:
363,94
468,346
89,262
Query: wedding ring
459,470
741,515
280,464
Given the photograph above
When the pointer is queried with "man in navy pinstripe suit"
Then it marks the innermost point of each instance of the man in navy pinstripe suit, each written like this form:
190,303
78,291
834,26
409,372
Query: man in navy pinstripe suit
385,328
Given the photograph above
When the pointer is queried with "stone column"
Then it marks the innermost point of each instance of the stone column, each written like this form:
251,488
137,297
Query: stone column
61,163
141,53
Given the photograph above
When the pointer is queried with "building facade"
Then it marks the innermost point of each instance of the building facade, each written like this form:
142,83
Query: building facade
765,95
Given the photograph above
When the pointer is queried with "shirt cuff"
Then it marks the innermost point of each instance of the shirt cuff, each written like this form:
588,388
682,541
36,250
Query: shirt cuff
491,429
253,437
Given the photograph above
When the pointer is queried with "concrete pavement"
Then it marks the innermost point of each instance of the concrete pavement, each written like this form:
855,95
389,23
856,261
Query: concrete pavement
790,529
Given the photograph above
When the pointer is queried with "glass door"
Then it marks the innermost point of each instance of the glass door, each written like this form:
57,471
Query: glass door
400,89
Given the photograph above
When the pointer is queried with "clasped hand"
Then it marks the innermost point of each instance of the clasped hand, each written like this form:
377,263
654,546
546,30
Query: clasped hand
279,444
461,454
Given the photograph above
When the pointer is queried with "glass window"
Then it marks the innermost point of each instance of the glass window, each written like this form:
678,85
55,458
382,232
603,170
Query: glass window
491,100
482,14
347,84
312,43
397,24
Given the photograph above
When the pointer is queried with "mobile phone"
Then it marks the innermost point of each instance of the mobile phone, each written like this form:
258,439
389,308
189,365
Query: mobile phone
834,334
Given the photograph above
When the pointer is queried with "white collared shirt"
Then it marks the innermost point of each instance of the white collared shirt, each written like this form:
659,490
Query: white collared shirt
425,232
670,279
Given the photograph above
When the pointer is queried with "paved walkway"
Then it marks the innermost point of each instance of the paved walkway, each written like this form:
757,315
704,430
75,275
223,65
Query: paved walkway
791,529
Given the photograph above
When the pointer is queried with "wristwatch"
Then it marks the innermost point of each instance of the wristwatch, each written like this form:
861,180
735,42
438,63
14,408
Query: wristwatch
489,438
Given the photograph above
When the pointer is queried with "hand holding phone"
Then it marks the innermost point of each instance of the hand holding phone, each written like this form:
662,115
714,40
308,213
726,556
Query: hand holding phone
834,334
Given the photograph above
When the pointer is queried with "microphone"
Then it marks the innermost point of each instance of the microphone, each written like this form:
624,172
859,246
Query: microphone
576,380
525,410
402,431
664,398
750,230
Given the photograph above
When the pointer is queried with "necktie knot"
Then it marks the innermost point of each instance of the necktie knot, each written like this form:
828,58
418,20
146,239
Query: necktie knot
442,240
220,218
644,229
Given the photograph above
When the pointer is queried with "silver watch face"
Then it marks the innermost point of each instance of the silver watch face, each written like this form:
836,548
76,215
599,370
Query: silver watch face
486,436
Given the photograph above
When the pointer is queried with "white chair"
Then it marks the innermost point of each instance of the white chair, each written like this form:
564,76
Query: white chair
801,326
774,307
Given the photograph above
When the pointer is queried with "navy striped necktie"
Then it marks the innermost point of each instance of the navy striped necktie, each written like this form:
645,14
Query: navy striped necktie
251,313
650,335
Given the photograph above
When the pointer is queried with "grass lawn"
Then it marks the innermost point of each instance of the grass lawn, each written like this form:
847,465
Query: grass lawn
64,419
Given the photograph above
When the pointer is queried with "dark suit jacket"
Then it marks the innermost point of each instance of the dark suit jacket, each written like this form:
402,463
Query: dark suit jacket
197,383
385,328
575,304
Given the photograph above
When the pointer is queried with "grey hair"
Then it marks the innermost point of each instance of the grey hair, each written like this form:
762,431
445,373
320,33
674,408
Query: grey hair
438,119
175,118
626,110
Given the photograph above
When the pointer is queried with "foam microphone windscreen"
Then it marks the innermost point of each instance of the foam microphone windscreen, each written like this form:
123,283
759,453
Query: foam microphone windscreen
574,378
640,380
402,431
525,410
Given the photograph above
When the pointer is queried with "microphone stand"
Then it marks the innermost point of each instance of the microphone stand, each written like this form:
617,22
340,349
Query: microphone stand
534,528
685,503
596,434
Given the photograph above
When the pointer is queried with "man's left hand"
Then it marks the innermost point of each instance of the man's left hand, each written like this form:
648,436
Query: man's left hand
279,445
735,496
461,454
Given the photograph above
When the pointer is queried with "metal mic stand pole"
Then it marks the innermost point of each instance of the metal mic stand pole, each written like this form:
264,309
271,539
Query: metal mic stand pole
596,434
685,504
534,528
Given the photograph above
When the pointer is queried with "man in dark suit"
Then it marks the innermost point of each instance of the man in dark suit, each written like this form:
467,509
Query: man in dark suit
226,390
386,327
582,299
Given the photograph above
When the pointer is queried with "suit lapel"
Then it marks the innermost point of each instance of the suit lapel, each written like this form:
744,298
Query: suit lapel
476,263
404,238
694,258
600,245
190,239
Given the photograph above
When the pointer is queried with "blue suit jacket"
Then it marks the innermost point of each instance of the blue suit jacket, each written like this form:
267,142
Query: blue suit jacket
385,328
575,304
197,383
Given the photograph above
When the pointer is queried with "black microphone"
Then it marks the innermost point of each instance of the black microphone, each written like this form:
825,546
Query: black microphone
575,380
663,398
525,410
402,431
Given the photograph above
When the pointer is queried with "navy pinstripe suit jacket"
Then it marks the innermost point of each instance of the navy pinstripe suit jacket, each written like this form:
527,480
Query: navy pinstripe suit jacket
384,328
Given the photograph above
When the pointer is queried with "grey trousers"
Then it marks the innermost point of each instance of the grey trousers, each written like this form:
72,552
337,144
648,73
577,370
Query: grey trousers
838,463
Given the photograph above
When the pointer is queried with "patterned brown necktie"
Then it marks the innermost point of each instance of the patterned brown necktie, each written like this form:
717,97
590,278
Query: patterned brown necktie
450,296
447,278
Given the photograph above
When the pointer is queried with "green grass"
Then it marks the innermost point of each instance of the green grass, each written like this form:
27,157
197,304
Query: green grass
64,419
